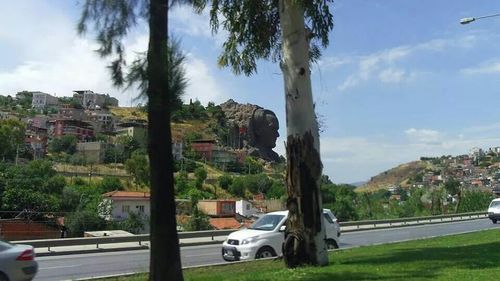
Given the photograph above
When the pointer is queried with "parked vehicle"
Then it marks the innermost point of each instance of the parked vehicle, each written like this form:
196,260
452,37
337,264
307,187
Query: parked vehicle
265,237
17,262
494,210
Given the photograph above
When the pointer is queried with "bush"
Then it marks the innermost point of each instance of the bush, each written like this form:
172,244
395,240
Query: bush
110,184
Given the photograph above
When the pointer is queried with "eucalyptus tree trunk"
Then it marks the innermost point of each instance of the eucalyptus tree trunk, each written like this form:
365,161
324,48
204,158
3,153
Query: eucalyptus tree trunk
165,261
305,232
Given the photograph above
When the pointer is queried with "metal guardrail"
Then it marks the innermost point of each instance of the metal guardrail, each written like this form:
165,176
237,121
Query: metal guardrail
48,243
403,221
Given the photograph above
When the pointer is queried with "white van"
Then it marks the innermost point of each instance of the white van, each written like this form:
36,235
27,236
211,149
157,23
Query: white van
494,210
265,237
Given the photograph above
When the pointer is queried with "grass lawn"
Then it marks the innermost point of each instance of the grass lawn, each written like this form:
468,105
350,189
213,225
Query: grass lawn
473,256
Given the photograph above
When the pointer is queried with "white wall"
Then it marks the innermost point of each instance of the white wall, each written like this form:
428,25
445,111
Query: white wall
245,208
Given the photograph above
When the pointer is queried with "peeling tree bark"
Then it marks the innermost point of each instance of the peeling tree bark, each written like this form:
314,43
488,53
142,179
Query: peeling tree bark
305,232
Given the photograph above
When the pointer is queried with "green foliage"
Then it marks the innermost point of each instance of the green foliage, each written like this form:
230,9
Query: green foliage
31,186
85,220
126,145
108,184
340,199
181,182
201,175
138,167
237,188
20,199
253,166
66,144
225,181
189,137
452,186
11,138
192,111
134,223
114,154
72,101
254,30
473,201
198,220
176,75
24,99
277,190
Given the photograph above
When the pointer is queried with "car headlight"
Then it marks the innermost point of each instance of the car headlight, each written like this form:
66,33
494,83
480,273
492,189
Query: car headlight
250,240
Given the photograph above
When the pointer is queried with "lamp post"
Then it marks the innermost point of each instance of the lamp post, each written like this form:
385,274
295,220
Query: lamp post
471,19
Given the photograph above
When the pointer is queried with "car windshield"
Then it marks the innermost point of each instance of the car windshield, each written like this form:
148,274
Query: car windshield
267,222
495,204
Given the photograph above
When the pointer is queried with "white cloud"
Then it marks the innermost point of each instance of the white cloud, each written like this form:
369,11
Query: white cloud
201,84
185,21
423,135
384,64
391,75
488,67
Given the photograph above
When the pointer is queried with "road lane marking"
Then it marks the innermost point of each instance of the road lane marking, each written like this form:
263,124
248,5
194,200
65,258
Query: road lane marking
63,266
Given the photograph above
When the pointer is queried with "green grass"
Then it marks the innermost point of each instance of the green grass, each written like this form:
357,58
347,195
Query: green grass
473,256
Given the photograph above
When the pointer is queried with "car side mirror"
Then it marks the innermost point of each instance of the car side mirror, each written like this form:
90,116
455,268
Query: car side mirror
282,228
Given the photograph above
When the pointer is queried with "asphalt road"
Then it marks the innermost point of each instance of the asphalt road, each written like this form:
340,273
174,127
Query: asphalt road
88,265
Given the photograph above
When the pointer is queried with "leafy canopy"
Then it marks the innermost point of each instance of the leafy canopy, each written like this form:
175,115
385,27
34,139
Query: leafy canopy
254,30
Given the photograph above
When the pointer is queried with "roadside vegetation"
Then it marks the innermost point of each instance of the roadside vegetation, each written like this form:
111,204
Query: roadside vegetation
472,256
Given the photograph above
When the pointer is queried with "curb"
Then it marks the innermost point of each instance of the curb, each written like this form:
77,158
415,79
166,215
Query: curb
96,250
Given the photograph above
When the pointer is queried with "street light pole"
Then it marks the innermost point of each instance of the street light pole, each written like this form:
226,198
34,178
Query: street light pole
471,19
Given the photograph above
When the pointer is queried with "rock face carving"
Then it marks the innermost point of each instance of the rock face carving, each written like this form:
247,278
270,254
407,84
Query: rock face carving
252,128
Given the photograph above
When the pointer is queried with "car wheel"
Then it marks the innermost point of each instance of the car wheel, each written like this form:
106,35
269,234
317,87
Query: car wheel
494,221
331,244
3,277
265,252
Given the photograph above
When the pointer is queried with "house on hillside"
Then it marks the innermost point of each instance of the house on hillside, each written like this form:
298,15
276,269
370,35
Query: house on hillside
61,127
136,130
119,205
204,148
92,152
218,208
42,100
245,208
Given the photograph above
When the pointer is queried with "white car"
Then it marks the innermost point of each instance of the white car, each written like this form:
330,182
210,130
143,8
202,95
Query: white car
17,262
265,237
494,210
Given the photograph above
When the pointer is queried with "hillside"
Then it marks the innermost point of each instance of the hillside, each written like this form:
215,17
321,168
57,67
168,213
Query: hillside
396,176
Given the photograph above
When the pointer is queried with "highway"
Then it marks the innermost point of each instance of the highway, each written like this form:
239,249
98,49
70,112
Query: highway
87,265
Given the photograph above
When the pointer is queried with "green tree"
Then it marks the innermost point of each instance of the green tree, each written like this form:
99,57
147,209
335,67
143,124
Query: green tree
277,30
181,182
85,220
108,184
112,21
11,138
452,187
201,175
66,144
134,223
253,166
475,201
225,181
138,167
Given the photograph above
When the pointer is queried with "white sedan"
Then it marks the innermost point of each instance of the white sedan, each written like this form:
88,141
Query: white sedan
17,262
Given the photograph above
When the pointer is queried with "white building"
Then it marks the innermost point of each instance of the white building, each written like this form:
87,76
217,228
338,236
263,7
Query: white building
121,203
42,100
245,208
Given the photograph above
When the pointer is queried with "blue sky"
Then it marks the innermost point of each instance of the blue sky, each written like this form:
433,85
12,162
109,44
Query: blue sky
400,79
